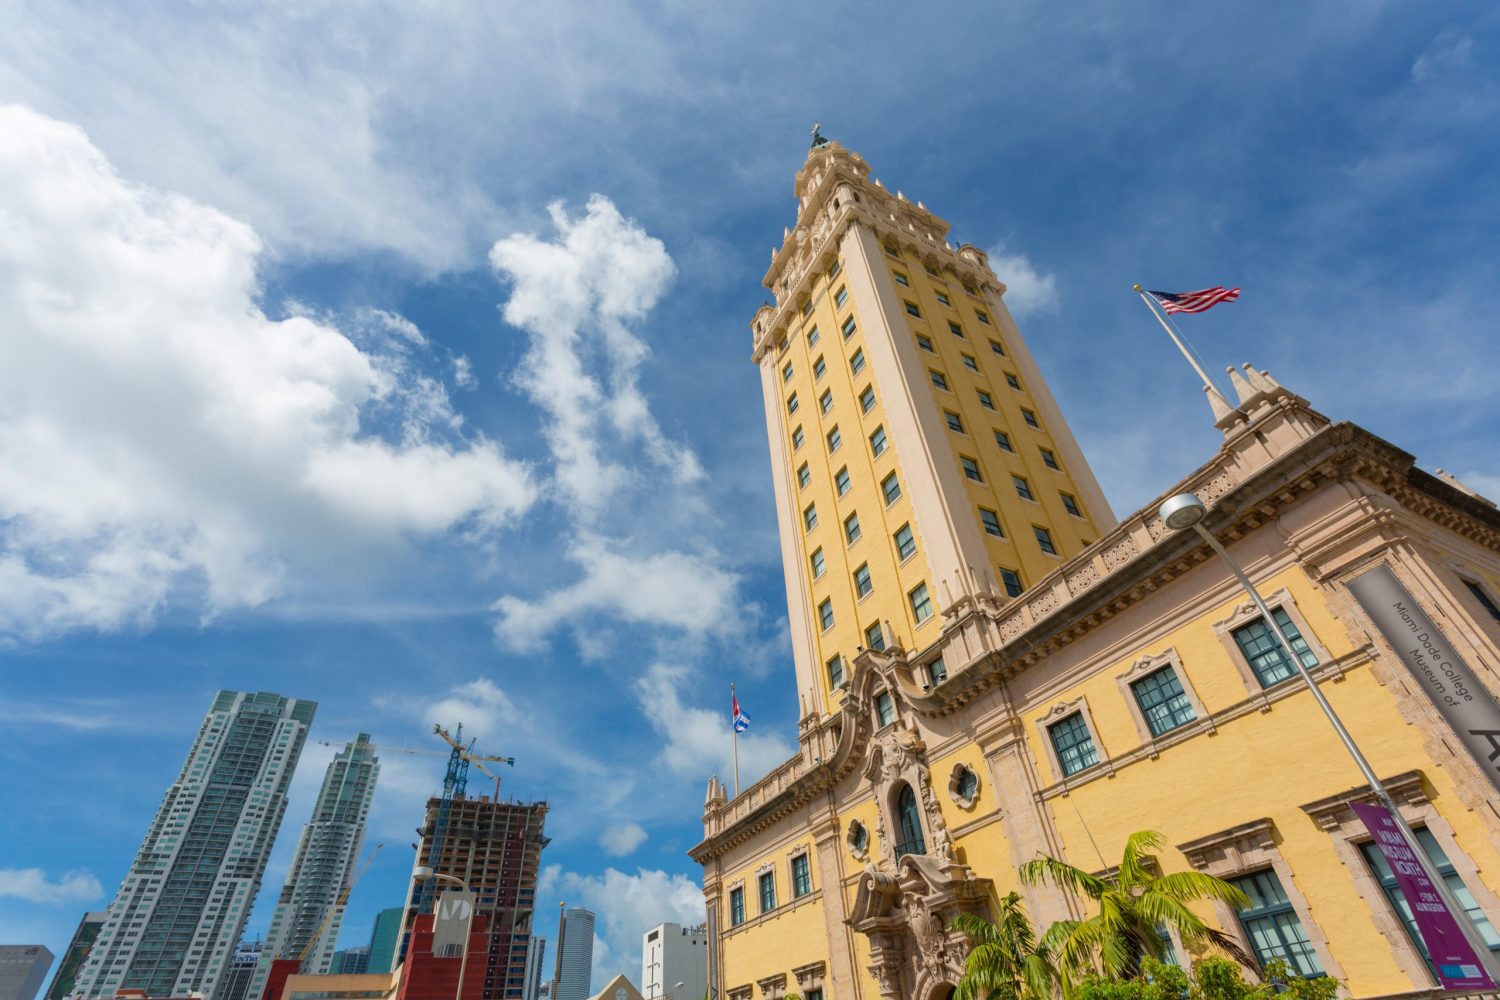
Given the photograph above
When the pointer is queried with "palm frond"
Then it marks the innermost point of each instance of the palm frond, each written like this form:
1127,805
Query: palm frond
1138,846
1062,875
1185,886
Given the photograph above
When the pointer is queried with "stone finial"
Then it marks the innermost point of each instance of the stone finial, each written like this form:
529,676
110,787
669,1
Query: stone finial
716,795
1241,387
899,195
1216,403
1262,381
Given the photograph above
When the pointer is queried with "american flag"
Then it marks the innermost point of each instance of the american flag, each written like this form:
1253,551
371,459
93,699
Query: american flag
1195,302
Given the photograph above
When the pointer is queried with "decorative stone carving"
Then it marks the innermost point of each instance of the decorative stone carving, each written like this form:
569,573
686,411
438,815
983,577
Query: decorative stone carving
1082,578
1120,553
1216,487
1042,605
927,929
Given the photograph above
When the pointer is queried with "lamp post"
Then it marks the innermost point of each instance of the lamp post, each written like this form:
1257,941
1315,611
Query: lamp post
1186,511
422,874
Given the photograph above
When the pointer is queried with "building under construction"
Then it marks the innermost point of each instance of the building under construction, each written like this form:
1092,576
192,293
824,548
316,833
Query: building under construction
495,847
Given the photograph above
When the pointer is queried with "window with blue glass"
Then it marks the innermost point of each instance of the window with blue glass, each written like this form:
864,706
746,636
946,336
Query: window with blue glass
804,476
1272,925
848,328
921,603
825,614
1164,704
818,563
877,442
825,401
1073,744
801,876
1264,654
1439,859
1011,580
968,785
890,487
862,582
991,522
875,639
812,337
841,296
836,672
909,818
767,884
906,544
867,399
885,709
857,363
841,480
819,368
796,438
736,907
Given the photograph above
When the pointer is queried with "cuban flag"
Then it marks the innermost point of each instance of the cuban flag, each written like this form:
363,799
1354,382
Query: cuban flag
741,720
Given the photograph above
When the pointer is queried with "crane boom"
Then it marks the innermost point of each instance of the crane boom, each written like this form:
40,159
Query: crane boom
338,903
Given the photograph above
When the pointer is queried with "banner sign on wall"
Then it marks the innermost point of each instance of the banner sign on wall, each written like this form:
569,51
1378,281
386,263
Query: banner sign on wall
1457,966
1436,665
450,927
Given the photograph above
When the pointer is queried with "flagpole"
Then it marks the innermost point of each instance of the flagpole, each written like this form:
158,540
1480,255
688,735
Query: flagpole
1171,328
735,729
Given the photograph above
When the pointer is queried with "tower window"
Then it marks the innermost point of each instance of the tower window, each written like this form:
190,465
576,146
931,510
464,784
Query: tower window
906,544
1023,488
1483,598
867,399
841,480
1074,744
982,316
807,308
1030,418
891,251
1011,580
836,672
797,438
901,279
862,584
804,476
841,296
991,522
1003,440
971,468
801,876
1163,703
848,327
1272,925
986,400
955,422
810,516
833,270
938,378
877,442
875,639
1044,539
938,671
1070,504
825,614
767,884
997,348
819,368
970,363
812,337
943,298
891,487
1263,651
921,603
736,906
885,708
857,363
786,372
909,821
955,329
851,528
925,344
819,564
1012,381
1049,459
825,401
791,403
834,440
913,310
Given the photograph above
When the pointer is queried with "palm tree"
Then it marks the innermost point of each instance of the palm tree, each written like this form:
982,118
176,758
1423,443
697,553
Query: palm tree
1134,904
1005,962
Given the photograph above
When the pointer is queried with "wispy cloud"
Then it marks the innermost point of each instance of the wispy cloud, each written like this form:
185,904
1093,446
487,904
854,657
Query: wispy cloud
32,885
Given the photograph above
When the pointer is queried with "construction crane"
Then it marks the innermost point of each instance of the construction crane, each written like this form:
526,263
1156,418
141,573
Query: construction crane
337,905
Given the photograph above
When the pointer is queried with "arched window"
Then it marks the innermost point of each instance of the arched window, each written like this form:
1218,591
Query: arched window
909,819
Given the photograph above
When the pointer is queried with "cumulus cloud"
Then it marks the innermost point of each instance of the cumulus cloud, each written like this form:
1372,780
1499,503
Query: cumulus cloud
696,740
1028,290
622,839
626,907
32,885
162,436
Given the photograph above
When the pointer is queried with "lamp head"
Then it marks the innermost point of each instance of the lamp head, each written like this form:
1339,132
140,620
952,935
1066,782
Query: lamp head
1182,511
421,873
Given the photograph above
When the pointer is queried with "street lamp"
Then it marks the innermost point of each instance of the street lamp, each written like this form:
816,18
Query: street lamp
1185,511
421,874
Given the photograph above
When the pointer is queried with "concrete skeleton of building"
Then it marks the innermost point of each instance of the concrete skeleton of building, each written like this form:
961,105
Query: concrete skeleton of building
313,899
673,954
993,667
575,953
23,970
78,949
179,915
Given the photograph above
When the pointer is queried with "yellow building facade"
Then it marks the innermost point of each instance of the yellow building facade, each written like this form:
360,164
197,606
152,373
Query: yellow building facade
991,666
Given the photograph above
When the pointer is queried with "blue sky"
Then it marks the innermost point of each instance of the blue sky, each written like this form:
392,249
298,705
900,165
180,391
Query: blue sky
395,356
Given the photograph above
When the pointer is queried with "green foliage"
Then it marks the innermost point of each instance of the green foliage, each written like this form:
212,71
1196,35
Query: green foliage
1005,961
1212,979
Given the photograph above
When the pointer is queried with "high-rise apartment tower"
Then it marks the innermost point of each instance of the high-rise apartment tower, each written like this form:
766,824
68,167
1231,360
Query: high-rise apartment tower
181,910
575,953
323,866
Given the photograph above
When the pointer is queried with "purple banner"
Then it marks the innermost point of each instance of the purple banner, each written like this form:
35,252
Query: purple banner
1457,966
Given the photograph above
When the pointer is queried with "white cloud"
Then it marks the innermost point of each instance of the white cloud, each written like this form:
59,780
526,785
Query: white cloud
1028,290
697,740
625,908
622,839
463,373
162,437
31,885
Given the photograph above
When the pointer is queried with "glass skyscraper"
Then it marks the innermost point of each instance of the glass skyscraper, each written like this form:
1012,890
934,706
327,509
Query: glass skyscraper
181,910
575,954
384,938
324,865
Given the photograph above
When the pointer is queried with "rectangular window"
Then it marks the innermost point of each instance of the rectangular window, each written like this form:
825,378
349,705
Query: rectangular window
1012,381
925,344
1073,744
848,327
834,440
955,422
807,308
819,564
991,522
801,876
825,401
851,528
841,296
901,279
938,378
797,438
971,468
810,516
1272,924
1030,418
1023,488
1258,642
891,487
982,316
1483,598
995,346
1011,580
862,583
885,709
736,906
943,298
767,883
836,672
867,399
875,637
1044,539
912,310
825,614
938,671
1003,440
877,442
955,329
1049,459
971,363
985,400
890,250
1450,876
906,544
804,476
812,337
1164,704
921,603
833,271
791,403
857,363
1070,504
841,480
786,373
819,368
